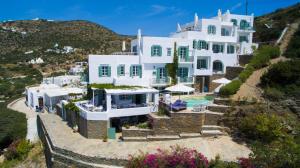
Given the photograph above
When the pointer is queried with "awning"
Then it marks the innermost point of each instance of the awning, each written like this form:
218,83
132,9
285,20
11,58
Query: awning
222,81
180,88
131,91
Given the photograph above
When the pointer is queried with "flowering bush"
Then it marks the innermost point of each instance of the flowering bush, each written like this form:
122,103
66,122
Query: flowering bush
177,157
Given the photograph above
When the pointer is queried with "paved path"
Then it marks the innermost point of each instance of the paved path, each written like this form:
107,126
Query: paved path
249,89
20,106
62,136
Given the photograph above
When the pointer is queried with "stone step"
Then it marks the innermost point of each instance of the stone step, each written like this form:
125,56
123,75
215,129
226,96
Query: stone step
134,139
218,108
207,133
189,135
162,137
211,127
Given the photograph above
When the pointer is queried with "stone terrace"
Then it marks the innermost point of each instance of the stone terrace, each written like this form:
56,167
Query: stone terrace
62,136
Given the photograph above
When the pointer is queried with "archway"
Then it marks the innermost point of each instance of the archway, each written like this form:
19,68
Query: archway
218,67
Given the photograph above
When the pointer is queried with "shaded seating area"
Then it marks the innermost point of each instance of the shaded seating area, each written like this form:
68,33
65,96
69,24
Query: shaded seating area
177,105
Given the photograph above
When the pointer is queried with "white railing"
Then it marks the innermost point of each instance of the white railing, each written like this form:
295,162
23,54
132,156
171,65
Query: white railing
186,80
161,81
188,59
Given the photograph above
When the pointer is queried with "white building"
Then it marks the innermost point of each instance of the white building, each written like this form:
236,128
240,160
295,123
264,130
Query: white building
63,80
48,95
205,47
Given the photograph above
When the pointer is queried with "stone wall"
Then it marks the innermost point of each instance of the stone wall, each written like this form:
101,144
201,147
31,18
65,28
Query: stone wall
71,118
244,59
93,129
233,72
222,101
136,132
212,118
218,108
178,122
59,110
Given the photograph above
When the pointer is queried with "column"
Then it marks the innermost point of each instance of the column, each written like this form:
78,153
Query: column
108,102
225,48
210,46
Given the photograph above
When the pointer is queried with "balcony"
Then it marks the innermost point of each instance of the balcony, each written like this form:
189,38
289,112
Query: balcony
186,80
189,59
161,82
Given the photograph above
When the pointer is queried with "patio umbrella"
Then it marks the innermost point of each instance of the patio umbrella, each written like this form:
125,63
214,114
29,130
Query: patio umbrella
180,88
222,81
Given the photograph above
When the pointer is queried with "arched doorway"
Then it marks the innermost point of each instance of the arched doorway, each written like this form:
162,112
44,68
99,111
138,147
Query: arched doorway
218,67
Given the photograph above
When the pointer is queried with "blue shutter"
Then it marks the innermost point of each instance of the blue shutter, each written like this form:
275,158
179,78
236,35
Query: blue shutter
131,71
152,50
100,71
108,71
140,71
118,70
160,51
187,53
194,44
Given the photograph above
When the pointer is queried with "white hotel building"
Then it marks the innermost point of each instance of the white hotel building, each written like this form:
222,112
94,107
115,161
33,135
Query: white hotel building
205,47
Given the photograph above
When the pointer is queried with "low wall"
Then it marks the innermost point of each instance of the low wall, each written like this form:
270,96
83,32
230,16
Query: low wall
57,157
94,129
136,132
212,118
223,101
218,108
233,72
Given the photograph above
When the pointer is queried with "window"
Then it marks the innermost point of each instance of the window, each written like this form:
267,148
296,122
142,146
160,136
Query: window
156,50
201,64
134,49
218,48
202,45
169,51
183,52
136,70
217,66
125,97
161,73
224,32
121,70
234,21
243,38
244,24
211,29
183,72
230,49
104,71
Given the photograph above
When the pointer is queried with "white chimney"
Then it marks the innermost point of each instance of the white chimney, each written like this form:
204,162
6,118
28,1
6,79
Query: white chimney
219,14
123,46
196,20
178,27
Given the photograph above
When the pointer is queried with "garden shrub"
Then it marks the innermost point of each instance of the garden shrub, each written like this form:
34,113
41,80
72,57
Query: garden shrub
273,94
177,157
18,149
231,88
244,75
143,125
263,127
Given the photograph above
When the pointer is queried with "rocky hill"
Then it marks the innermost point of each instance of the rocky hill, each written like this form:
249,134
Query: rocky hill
55,41
268,27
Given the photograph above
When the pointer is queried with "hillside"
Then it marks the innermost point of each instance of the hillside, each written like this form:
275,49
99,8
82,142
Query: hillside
46,39
268,27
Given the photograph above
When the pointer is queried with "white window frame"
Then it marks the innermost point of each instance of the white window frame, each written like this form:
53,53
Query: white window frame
135,71
104,69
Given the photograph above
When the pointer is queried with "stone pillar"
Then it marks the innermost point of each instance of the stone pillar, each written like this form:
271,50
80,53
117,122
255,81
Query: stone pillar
108,102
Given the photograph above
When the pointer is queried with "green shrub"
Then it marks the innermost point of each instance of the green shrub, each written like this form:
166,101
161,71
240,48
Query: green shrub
143,125
273,94
262,127
231,88
18,149
260,59
244,75
272,51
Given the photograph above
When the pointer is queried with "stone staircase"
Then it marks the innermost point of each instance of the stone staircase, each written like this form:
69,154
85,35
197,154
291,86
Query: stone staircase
212,130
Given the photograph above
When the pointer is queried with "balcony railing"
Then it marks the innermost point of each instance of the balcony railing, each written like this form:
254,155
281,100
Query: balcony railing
161,81
188,59
186,80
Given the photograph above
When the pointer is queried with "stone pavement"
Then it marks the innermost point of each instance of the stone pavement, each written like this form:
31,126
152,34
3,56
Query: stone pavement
63,137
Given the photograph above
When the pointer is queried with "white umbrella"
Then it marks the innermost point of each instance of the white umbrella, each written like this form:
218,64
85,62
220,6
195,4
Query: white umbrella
180,88
222,81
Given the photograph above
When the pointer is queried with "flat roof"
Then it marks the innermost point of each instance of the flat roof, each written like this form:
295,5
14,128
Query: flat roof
63,92
131,91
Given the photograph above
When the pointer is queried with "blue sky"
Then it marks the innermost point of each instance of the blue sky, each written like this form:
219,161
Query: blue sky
154,17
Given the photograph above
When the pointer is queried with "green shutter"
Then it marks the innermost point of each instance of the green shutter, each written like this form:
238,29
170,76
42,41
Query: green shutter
187,53
152,51
119,70
108,71
157,73
194,44
140,71
131,71
186,72
100,71
160,51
